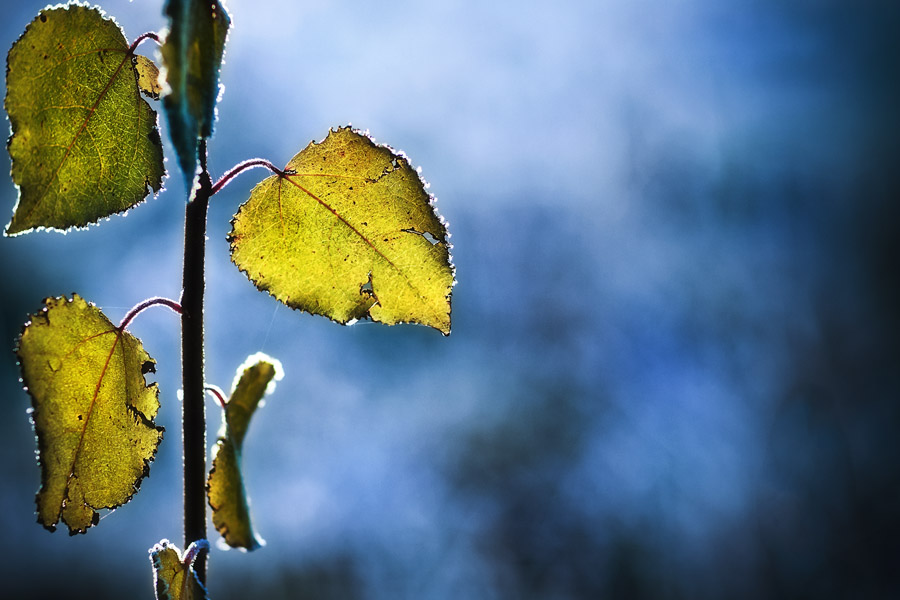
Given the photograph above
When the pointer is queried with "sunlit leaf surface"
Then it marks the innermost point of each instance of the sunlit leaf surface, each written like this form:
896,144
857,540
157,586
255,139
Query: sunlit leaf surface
92,409
84,143
225,488
348,232
148,76
173,574
192,54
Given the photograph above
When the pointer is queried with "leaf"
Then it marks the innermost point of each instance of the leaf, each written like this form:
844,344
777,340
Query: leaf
84,143
173,574
192,55
148,77
225,487
345,233
92,411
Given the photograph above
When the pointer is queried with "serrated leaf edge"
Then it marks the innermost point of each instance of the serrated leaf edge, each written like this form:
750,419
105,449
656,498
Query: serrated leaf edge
432,202
42,445
148,189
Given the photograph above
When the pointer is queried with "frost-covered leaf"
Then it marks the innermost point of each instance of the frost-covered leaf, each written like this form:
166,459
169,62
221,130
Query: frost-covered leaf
92,410
225,488
148,76
173,573
84,143
192,55
348,231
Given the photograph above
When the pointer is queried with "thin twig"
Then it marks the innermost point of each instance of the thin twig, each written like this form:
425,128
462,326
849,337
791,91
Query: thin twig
144,36
126,320
217,393
241,167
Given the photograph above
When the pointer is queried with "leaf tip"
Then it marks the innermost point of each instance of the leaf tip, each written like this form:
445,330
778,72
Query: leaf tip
173,575
255,359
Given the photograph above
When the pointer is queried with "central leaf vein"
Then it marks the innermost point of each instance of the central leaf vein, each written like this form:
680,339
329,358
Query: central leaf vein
342,220
369,242
90,412
91,112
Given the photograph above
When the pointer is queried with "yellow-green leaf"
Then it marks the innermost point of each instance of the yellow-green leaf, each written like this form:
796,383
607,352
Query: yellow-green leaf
348,231
148,77
192,54
173,574
84,143
225,487
92,410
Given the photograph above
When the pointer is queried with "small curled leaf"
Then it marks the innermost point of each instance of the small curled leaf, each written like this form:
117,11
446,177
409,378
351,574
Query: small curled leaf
192,54
173,573
148,77
225,487
348,231
84,143
93,411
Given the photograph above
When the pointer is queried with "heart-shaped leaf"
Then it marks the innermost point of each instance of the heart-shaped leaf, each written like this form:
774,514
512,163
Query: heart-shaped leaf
84,143
348,231
92,410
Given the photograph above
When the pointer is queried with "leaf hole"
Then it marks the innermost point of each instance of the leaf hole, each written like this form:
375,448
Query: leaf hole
427,235
367,289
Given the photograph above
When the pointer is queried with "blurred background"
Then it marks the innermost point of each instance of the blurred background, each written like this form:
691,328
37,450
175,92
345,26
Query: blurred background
673,371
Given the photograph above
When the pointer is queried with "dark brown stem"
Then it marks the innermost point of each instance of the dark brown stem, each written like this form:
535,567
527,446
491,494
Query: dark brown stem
194,406
243,166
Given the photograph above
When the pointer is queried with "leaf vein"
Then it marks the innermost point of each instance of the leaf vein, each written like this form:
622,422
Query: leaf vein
369,242
90,413
84,123
50,68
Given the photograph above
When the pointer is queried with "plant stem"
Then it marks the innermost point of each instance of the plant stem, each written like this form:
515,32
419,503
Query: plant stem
128,318
194,404
243,166
144,36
